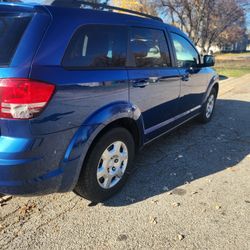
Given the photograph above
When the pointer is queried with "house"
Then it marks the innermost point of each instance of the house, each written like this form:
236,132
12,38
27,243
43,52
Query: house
248,44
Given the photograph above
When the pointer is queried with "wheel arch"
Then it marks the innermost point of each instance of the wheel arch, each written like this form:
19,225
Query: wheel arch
127,116
214,83
216,87
128,123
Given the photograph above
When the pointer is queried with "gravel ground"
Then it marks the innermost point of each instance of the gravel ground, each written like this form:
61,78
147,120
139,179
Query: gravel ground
191,190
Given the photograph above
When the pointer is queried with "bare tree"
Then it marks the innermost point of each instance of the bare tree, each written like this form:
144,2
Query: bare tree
205,20
149,7
145,6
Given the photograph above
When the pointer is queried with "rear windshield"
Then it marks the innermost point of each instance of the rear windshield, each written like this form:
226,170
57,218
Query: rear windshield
12,27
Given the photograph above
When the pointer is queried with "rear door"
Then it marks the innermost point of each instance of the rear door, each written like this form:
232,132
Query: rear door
154,85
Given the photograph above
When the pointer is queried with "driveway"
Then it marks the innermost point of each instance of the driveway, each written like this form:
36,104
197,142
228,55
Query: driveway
190,190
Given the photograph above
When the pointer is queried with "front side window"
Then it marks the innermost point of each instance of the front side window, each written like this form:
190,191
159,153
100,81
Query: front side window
186,55
149,48
97,46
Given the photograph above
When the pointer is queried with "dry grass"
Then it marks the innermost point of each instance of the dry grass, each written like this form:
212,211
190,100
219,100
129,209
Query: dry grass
233,65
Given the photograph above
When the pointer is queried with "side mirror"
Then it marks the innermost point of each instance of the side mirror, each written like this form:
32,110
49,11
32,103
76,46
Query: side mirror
208,61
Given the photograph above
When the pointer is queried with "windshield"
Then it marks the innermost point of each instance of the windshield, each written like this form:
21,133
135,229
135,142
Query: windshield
12,27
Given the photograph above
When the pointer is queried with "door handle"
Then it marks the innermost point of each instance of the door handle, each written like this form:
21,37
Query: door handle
142,83
154,79
185,77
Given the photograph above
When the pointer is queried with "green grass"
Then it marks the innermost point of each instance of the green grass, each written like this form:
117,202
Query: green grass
233,65
232,72
232,55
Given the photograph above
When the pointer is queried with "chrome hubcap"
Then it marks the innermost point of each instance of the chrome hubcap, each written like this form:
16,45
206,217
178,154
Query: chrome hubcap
112,165
210,106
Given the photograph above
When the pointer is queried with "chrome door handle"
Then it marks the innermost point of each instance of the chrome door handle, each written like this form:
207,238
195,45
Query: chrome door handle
185,78
140,84
154,79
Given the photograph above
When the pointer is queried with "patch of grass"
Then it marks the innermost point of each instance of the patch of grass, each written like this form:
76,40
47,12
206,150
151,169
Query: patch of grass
232,72
227,56
233,65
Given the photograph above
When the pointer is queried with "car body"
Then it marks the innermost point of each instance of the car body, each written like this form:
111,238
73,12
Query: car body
45,153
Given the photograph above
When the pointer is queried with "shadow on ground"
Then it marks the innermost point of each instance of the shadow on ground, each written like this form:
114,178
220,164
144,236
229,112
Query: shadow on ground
191,152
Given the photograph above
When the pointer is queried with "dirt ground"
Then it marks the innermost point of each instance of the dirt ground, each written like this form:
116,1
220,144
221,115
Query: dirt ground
191,190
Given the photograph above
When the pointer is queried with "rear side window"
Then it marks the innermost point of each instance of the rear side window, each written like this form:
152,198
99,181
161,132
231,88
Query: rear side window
149,48
12,27
97,47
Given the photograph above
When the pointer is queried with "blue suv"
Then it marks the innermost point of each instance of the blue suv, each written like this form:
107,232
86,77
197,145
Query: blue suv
83,87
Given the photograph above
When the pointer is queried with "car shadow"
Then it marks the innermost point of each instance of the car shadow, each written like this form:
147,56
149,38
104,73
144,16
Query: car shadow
191,152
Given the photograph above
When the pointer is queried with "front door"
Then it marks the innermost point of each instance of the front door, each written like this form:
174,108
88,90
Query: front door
194,79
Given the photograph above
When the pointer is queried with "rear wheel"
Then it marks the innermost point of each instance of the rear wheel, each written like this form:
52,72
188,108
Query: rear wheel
208,107
107,165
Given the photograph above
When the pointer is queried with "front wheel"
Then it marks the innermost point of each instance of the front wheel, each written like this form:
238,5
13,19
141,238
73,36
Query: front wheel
208,107
107,165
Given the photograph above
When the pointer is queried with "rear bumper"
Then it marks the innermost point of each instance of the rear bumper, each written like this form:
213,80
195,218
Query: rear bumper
36,166
41,185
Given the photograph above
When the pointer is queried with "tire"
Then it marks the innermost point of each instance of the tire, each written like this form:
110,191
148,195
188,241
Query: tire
208,107
117,142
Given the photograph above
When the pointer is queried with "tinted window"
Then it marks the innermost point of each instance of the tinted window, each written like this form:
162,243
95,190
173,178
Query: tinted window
186,55
149,48
12,27
97,47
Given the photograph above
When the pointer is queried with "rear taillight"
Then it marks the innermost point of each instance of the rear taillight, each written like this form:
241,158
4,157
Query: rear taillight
23,98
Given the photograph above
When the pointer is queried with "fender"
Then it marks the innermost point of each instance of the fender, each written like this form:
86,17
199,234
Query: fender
213,81
86,134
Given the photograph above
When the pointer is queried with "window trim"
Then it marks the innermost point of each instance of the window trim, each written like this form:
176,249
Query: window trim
91,68
130,61
174,51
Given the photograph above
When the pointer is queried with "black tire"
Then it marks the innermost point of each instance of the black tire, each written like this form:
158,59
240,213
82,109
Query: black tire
88,186
204,118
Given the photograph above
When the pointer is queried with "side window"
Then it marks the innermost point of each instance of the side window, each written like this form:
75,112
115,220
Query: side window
96,46
186,55
149,48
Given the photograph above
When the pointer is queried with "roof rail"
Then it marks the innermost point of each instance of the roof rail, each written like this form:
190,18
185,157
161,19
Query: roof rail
98,6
